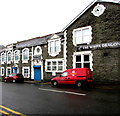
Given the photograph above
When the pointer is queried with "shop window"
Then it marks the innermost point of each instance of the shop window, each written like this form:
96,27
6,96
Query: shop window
83,60
2,71
8,71
26,72
82,35
54,65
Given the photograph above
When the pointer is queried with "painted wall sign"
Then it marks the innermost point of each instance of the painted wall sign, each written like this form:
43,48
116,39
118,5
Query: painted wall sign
98,46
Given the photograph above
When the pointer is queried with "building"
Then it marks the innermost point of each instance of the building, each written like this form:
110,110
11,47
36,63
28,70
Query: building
37,59
91,39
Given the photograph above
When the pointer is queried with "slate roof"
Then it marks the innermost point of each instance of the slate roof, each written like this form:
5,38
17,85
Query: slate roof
36,41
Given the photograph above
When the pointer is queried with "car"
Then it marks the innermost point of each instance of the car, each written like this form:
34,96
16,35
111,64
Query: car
76,76
14,78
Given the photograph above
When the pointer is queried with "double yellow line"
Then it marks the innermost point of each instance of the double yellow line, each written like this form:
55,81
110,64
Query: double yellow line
10,111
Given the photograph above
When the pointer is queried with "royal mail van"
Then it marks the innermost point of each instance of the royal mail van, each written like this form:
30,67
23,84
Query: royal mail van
77,76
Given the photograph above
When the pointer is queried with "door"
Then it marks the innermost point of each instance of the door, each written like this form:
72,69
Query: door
37,73
14,69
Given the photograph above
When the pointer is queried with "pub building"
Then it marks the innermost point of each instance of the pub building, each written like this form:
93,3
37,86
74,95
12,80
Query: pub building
91,39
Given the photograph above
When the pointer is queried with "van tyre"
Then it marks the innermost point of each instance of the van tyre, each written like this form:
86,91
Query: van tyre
54,83
78,84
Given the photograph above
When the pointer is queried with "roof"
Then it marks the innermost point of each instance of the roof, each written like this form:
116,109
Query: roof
36,41
92,3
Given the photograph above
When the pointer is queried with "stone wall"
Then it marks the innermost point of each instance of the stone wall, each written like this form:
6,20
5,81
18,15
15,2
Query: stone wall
105,28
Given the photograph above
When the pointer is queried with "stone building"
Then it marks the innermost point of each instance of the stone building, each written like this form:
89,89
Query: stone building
37,59
93,40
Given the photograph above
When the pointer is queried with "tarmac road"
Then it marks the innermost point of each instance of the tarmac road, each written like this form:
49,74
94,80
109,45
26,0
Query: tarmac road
44,99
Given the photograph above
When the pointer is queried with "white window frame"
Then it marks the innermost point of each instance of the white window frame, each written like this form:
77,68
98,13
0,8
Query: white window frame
9,56
8,68
3,57
57,65
16,54
25,60
23,69
2,71
81,38
54,52
83,53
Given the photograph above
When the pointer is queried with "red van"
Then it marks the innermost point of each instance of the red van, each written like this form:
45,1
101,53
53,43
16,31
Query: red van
77,76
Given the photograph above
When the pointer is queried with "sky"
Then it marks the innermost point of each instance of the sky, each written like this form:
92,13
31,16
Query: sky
26,19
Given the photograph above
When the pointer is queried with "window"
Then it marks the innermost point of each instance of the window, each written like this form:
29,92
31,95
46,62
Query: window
26,72
64,74
2,58
2,71
82,35
16,55
54,47
25,55
56,65
9,57
38,50
83,60
8,71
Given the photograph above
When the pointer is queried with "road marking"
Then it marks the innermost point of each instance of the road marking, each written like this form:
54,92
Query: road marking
52,90
10,110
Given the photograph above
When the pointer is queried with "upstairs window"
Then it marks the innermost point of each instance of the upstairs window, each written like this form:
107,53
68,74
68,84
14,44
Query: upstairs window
16,55
54,45
25,55
2,71
82,35
9,57
2,58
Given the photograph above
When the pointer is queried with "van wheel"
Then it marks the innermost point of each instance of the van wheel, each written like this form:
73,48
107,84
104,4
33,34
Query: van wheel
54,83
78,84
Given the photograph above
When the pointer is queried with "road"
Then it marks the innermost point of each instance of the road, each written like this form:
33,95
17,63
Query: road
44,99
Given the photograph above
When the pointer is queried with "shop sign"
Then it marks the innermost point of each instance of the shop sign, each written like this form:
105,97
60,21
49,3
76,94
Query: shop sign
98,46
37,57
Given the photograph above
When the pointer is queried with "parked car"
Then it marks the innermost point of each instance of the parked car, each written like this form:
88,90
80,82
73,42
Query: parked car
14,78
77,76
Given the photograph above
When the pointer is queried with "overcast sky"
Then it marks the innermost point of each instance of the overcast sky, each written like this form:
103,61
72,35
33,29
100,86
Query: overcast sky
26,19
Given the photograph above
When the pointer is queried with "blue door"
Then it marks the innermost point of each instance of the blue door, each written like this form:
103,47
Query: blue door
14,69
37,73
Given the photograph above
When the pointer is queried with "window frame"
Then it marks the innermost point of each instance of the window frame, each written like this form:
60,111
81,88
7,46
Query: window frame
25,52
23,72
82,59
56,48
51,65
3,58
18,55
8,68
81,35
2,71
9,57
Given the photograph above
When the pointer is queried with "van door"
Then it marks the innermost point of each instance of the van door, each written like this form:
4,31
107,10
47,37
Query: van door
63,78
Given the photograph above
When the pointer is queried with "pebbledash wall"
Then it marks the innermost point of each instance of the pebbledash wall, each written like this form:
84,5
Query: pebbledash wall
91,39
99,24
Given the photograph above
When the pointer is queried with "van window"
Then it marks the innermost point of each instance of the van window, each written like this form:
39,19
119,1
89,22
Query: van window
64,74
